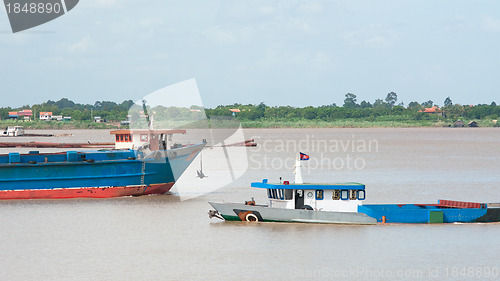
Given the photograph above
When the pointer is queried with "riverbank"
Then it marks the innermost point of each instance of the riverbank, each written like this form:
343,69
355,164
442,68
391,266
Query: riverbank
58,125
357,123
266,123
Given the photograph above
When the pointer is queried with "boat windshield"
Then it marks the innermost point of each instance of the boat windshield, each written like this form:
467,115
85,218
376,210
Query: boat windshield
280,194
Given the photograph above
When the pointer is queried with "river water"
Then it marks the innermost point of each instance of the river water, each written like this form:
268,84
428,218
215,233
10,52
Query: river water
170,237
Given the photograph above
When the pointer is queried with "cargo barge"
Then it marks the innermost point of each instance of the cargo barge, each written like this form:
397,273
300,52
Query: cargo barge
142,163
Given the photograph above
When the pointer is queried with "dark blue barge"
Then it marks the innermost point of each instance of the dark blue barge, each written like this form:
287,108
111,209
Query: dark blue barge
142,165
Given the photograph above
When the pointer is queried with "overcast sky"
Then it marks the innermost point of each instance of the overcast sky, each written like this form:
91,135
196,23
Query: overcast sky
286,52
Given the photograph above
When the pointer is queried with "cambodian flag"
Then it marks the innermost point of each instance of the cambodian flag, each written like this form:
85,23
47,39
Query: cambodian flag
304,156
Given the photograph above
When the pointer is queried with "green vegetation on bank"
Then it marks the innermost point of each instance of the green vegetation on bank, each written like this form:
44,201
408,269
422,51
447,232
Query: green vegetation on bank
66,125
382,113
78,112
353,123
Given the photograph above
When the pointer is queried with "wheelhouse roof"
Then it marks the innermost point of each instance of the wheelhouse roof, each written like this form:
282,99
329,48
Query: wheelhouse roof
308,186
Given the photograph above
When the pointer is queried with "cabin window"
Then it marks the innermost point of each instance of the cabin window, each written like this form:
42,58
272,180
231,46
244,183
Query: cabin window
361,195
122,138
336,194
353,194
280,194
319,194
274,194
117,138
288,194
300,192
269,193
344,194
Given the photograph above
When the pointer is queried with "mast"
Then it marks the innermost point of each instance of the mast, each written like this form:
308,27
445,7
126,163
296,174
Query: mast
298,172
145,110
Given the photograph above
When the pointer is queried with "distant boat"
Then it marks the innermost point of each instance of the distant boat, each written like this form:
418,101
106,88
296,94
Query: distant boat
14,131
143,163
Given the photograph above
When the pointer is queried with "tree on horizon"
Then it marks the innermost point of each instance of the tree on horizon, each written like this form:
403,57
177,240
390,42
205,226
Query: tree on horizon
448,102
350,101
391,99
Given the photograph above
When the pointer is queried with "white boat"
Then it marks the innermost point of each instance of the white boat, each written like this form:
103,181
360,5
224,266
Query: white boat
341,203
300,202
14,131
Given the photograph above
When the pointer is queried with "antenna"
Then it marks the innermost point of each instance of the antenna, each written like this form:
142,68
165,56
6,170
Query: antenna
145,109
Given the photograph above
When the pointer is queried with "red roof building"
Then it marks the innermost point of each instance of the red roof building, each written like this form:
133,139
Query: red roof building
45,115
26,112
432,110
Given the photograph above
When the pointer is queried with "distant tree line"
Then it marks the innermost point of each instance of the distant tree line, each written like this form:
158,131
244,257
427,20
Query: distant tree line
106,109
387,108
369,111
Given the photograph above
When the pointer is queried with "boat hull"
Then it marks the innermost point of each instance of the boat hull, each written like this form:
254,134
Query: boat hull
367,214
239,212
86,192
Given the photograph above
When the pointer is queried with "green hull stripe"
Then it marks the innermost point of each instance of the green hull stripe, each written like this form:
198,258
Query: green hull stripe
236,218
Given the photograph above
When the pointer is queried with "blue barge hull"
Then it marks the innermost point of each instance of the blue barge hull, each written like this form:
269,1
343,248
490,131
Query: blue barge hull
105,173
443,212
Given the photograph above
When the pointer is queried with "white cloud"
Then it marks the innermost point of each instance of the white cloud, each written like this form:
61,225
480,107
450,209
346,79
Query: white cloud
456,23
82,45
294,60
373,35
266,10
490,23
151,22
103,3
219,35
313,7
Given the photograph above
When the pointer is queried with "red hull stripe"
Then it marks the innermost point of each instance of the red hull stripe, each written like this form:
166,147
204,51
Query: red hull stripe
86,192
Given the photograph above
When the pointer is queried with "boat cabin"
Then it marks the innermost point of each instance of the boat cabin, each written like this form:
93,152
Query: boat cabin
152,139
341,197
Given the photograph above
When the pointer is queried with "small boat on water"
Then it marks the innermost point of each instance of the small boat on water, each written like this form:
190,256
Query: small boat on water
143,162
341,203
14,131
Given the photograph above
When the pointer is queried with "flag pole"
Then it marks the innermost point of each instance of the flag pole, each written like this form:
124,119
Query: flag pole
298,172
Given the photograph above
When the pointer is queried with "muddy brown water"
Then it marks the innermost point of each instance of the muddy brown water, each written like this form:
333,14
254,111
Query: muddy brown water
170,237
